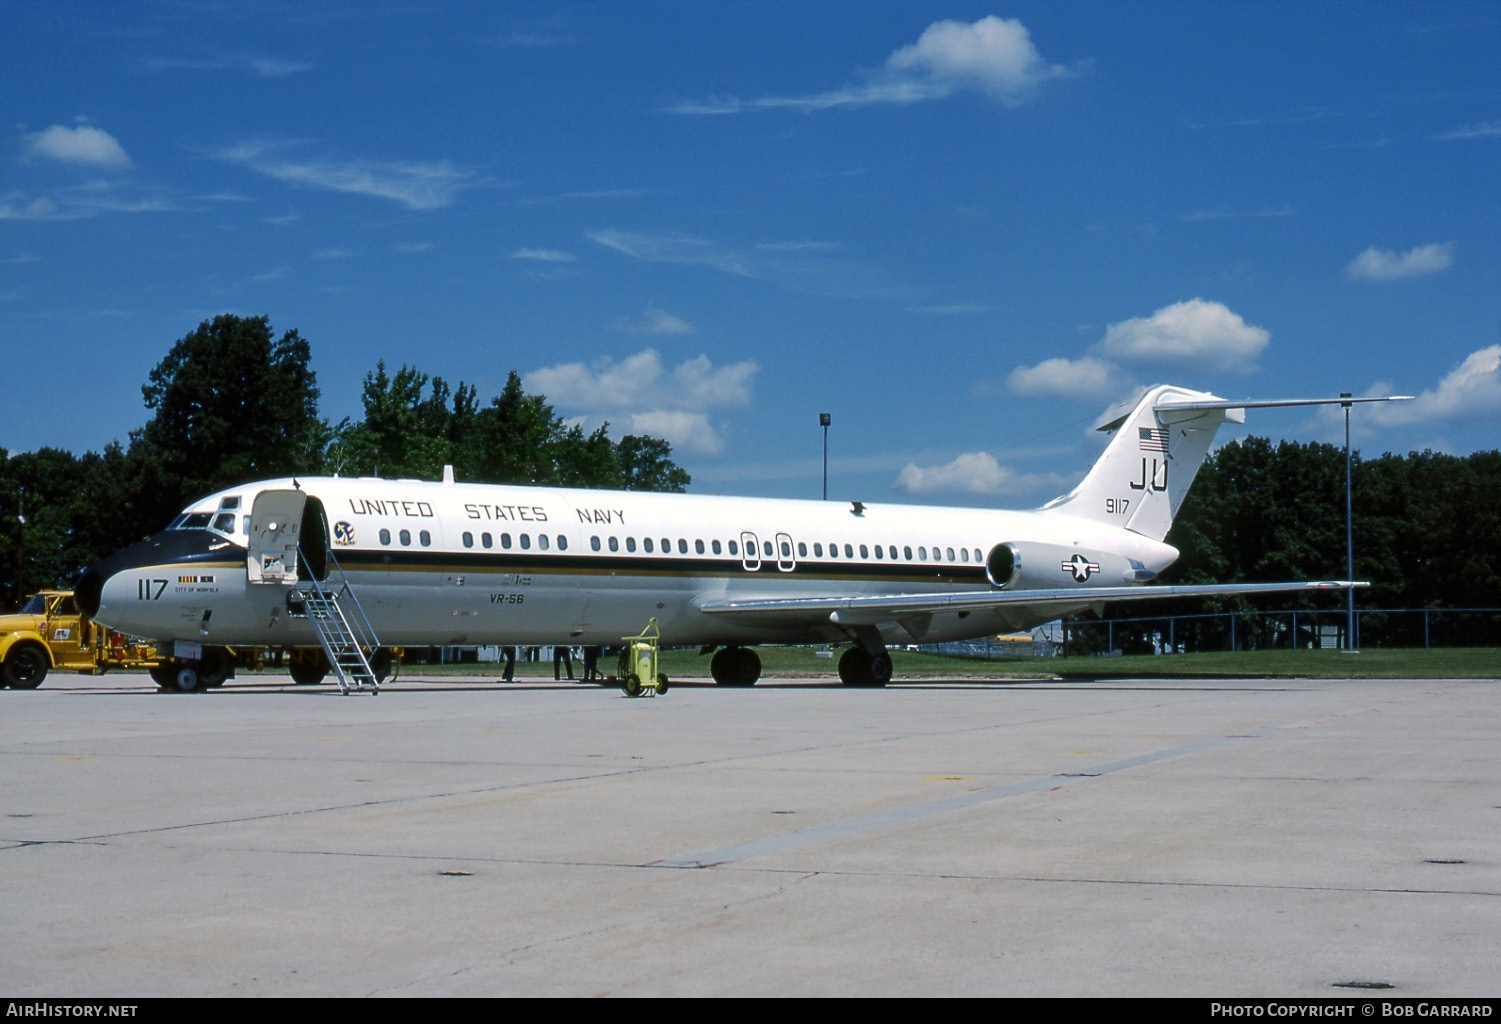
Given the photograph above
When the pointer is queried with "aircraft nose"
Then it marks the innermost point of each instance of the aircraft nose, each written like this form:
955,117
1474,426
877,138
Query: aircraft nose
162,549
88,590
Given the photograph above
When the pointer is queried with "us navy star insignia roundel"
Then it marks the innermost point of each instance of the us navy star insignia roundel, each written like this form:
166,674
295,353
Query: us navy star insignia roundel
1081,568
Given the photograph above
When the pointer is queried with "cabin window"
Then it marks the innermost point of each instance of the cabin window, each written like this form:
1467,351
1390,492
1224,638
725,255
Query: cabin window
425,539
526,542
922,554
766,548
594,543
468,539
683,546
817,549
977,555
505,541
614,543
630,544
734,548
892,550
666,546
646,545
406,538
717,548
878,552
951,554
964,554
562,543
385,537
864,551
907,553
542,541
802,550
485,540
849,552
698,546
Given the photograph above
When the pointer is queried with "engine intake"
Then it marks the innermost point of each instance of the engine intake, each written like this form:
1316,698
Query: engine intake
1003,564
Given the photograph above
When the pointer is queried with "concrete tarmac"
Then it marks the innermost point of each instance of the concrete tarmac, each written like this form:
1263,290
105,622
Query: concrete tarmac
463,838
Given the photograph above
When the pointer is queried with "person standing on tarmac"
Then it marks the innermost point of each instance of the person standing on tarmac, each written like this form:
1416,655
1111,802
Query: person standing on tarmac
562,656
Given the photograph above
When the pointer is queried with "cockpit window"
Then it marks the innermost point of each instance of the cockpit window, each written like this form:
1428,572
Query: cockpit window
223,522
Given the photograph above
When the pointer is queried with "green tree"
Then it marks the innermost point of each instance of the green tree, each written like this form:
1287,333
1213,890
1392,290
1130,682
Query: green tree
413,426
646,465
231,403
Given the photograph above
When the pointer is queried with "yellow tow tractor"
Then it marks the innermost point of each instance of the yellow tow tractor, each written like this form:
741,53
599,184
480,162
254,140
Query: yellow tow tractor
638,664
50,632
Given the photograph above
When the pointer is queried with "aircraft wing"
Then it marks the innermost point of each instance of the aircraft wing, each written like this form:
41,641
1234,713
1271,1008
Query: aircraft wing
878,608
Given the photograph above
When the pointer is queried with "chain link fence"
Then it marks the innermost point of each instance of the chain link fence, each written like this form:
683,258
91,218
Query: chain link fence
1301,629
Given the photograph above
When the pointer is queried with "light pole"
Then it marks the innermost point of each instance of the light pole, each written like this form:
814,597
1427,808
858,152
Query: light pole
1349,538
824,419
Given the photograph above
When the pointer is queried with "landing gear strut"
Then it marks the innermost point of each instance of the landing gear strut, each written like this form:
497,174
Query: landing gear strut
859,667
735,666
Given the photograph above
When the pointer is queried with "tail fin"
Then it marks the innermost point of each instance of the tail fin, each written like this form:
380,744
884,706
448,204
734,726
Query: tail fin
1141,479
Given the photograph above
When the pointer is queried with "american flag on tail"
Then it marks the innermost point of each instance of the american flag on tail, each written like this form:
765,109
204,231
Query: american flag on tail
1153,439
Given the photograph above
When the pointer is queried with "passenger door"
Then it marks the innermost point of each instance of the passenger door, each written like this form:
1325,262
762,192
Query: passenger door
275,524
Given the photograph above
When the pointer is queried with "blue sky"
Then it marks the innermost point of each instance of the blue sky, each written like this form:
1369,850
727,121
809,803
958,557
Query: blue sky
961,229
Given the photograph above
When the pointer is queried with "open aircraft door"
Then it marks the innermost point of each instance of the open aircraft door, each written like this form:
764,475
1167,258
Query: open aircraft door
275,528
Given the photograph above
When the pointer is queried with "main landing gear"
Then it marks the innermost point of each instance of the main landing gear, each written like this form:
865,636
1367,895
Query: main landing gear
741,666
859,667
735,666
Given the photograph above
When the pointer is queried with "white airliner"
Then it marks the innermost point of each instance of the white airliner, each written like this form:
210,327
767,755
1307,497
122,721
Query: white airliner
456,564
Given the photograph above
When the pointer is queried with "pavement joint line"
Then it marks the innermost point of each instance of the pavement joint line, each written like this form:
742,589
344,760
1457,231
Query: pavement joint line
851,826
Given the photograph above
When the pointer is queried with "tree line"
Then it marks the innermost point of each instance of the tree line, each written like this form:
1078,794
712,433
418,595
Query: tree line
1426,527
232,402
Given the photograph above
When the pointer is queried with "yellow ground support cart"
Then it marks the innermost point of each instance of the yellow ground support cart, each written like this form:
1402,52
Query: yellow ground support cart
638,664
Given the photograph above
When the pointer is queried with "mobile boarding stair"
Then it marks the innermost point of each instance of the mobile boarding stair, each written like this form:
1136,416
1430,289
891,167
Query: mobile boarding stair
343,629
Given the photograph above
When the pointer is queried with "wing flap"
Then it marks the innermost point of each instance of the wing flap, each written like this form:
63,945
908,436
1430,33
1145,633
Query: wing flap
879,608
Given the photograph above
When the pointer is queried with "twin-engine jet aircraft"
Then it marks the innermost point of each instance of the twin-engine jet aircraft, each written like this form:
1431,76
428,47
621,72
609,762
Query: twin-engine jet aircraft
454,564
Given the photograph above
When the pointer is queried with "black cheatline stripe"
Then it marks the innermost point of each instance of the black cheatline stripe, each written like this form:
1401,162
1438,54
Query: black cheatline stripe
524,563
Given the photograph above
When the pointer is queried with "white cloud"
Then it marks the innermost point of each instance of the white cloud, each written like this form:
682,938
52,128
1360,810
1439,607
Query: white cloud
971,473
419,185
641,382
85,144
993,56
674,404
18,207
1387,265
1196,333
264,67
1483,130
686,431
1470,391
543,255
654,321
1068,378
803,268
